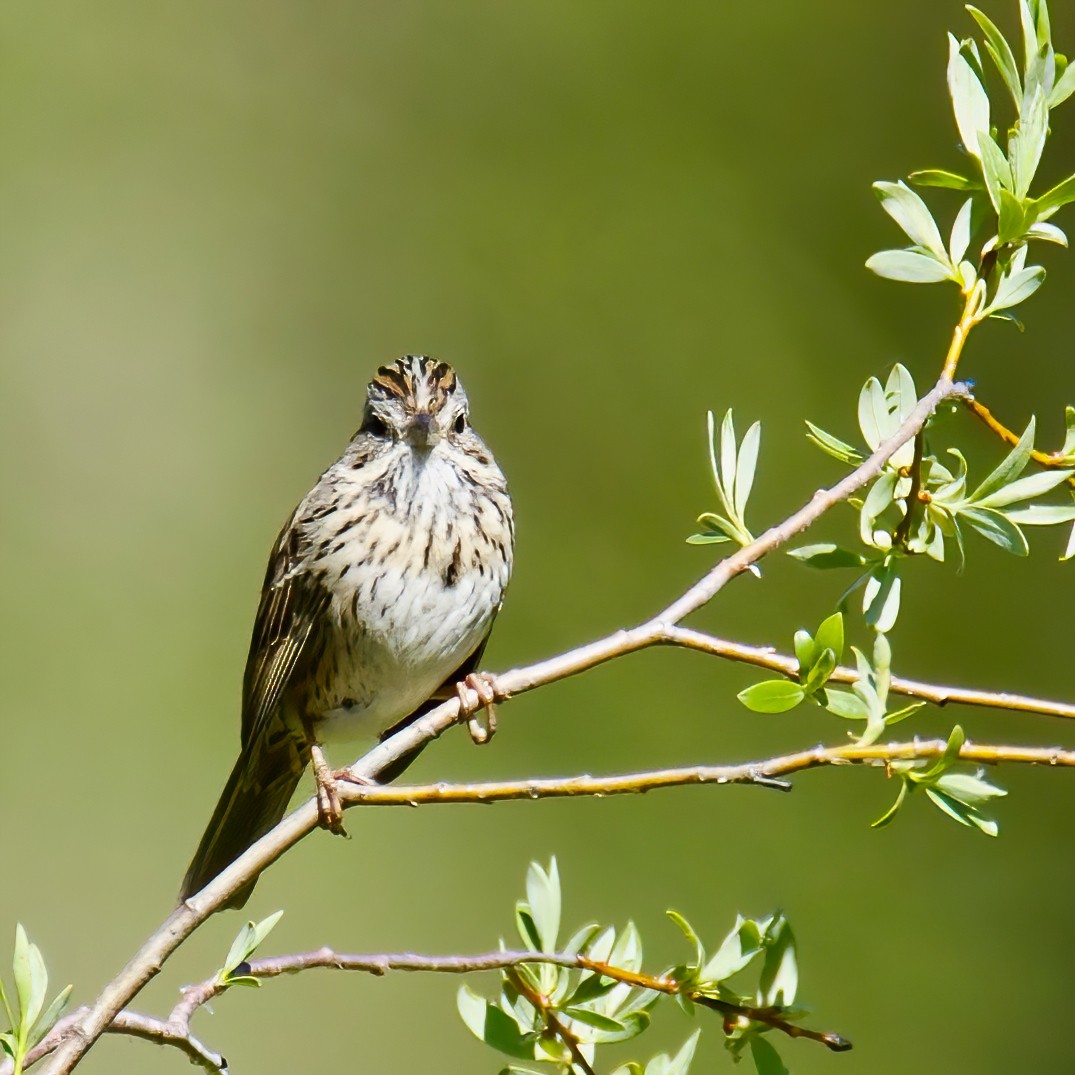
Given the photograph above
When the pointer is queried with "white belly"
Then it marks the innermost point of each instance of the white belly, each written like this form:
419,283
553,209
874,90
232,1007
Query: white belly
401,630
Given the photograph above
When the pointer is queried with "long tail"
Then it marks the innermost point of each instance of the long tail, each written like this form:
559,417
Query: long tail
255,798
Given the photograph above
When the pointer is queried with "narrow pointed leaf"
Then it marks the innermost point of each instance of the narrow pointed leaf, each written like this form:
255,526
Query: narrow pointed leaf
908,266
911,213
1025,488
1013,464
969,101
937,177
998,528
746,464
1001,54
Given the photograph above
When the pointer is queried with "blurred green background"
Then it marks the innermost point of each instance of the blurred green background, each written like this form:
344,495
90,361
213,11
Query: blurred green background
218,219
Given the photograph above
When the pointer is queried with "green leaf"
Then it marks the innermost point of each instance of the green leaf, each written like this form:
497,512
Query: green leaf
1042,515
833,445
680,1063
804,650
909,211
968,789
1010,467
1048,233
1055,198
263,929
1001,54
1064,88
970,104
766,1059
707,539
48,1018
878,500
995,168
1017,287
890,814
526,928
1025,488
688,931
998,528
543,897
826,556
237,951
830,635
772,696
31,978
846,705
937,177
823,667
1025,148
589,1017
960,812
746,465
740,946
580,940
881,598
779,979
908,266
961,232
902,714
492,1025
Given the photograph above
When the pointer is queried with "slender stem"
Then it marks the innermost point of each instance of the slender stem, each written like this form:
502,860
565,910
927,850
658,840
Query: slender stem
550,1019
903,531
175,1031
767,772
1045,459
768,658
959,335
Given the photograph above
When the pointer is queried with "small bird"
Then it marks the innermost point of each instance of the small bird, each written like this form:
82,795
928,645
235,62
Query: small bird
379,597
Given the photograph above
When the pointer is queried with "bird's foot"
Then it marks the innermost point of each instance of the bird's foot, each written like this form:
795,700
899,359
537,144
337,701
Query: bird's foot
481,718
329,807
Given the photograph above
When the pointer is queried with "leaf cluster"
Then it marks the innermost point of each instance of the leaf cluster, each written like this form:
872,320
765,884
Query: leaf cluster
1001,170
28,1018
542,1006
920,505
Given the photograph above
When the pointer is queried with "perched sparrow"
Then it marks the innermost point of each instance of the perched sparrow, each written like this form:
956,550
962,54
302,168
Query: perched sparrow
380,595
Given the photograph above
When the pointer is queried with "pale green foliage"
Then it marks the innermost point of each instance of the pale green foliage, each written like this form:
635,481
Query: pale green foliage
246,943
28,1017
998,508
1002,171
596,1010
959,795
733,476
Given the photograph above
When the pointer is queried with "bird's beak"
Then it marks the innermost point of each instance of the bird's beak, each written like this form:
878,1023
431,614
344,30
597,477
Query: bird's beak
421,433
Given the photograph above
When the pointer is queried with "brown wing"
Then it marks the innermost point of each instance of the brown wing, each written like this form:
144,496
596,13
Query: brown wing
292,607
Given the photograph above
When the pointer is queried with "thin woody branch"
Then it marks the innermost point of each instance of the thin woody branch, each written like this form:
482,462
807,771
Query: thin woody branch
769,659
991,422
175,1030
132,1025
186,918
766,773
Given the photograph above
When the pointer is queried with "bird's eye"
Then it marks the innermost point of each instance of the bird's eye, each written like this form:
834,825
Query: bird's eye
375,427
460,424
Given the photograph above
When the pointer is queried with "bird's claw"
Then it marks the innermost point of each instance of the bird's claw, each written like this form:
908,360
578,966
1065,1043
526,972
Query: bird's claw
329,806
481,718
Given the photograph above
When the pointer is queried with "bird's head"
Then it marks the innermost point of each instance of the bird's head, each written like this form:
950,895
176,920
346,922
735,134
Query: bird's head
417,400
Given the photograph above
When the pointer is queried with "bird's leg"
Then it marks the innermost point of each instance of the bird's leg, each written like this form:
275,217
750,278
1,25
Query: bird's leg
329,807
484,685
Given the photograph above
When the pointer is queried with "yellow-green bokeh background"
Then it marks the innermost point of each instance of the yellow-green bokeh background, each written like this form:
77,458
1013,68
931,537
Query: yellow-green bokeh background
217,219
